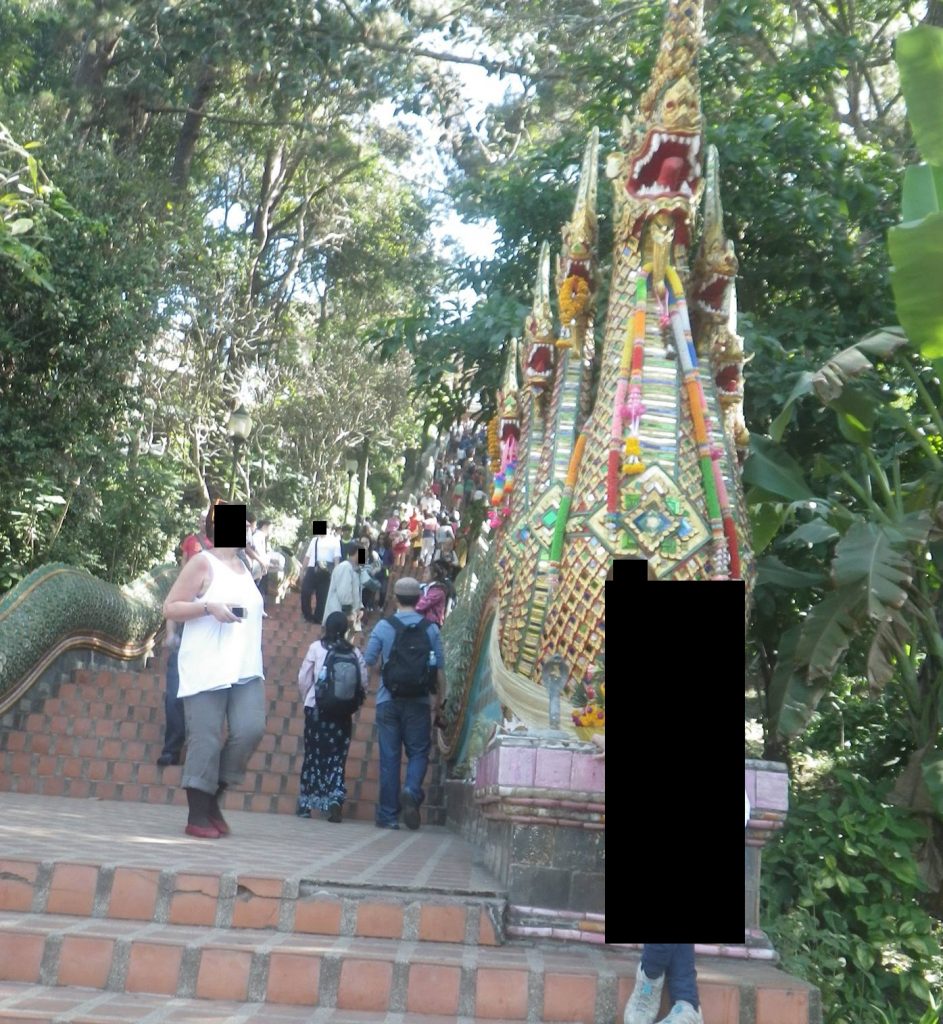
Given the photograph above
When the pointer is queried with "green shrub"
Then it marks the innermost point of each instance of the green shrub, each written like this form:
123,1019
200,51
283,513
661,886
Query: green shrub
841,896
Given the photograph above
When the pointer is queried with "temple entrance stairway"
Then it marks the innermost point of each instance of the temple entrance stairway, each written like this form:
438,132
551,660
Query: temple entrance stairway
100,734
109,913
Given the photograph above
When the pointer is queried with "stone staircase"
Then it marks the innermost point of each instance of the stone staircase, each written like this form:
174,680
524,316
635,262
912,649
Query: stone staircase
99,734
109,913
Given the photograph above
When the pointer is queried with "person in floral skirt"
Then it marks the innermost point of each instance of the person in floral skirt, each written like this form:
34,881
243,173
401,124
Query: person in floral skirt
327,740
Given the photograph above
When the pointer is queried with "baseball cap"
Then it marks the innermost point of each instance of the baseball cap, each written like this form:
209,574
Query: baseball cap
407,587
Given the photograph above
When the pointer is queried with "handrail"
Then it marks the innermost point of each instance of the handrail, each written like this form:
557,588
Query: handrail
60,607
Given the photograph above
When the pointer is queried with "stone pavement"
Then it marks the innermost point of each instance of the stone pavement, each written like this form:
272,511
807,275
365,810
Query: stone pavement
353,853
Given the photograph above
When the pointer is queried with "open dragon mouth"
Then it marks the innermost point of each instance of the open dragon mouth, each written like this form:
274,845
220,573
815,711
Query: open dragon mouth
710,298
540,360
728,379
669,166
509,429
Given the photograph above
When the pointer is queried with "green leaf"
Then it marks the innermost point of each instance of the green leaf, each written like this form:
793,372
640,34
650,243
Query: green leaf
783,678
772,572
20,226
856,411
866,561
802,387
923,192
890,635
816,531
771,470
883,343
863,956
917,254
915,527
765,522
932,770
826,633
919,54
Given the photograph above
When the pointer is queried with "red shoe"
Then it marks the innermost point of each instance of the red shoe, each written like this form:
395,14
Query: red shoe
203,831
220,825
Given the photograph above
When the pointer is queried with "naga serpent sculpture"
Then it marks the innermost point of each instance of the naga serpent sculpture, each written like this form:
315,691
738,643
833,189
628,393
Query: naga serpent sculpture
647,466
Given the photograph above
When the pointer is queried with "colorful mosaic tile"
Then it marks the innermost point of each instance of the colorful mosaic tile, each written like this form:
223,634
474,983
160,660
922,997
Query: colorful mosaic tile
652,521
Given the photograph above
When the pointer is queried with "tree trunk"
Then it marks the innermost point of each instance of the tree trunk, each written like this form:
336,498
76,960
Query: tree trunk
190,132
96,62
364,456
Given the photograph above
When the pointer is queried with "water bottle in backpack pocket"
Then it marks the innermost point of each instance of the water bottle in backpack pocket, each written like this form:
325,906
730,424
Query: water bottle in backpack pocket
410,670
339,690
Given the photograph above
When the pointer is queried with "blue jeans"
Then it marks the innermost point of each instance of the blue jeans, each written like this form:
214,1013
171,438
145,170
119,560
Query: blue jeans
175,730
677,958
404,722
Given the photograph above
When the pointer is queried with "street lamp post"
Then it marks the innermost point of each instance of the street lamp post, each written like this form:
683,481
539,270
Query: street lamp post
240,423
351,466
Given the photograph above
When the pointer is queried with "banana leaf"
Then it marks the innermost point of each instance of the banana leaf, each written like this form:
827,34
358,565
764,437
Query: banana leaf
916,250
916,246
867,562
890,635
919,54
816,531
827,632
772,572
773,472
932,769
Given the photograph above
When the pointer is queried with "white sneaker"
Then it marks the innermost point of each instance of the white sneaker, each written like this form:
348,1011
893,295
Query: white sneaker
683,1013
642,1007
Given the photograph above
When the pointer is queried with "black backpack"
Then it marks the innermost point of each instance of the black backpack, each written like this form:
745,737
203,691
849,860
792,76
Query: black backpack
339,691
408,672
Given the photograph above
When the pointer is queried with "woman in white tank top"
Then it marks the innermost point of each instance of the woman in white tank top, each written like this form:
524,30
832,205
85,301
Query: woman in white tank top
220,663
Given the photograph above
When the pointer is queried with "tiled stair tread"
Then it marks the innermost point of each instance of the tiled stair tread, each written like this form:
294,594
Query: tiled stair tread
560,958
353,974
38,1004
578,984
99,832
259,899
567,959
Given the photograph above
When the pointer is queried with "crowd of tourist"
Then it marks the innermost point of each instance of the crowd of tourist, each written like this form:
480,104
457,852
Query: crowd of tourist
347,577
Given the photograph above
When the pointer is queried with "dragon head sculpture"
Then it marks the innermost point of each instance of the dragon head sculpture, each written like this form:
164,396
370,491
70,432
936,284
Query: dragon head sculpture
714,307
715,266
660,164
509,410
539,338
576,265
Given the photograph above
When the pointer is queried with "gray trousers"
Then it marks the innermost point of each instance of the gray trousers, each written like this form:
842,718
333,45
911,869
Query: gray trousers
210,760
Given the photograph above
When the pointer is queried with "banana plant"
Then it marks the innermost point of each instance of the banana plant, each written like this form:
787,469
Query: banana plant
869,525
870,529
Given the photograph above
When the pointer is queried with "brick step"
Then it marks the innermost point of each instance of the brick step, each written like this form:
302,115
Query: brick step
102,697
513,983
369,974
149,730
231,900
39,1004
107,747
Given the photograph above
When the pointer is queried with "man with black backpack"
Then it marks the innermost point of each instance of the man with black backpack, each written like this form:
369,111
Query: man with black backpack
411,680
